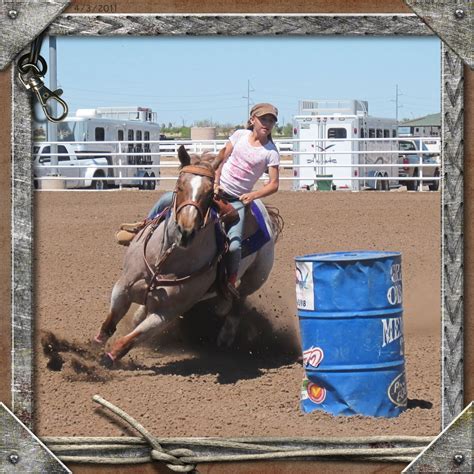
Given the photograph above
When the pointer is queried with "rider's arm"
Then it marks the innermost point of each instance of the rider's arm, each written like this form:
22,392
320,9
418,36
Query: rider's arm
269,188
227,152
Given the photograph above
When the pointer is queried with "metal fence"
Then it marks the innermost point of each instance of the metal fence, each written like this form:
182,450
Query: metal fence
132,162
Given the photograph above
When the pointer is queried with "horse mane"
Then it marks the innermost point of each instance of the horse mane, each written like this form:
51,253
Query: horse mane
276,220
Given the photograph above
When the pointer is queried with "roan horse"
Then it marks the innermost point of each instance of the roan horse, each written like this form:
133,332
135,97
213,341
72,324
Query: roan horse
172,265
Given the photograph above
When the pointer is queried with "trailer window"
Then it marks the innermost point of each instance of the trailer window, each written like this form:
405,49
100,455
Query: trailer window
65,134
371,132
131,158
337,133
394,133
147,149
386,133
99,134
120,135
379,133
138,148
362,133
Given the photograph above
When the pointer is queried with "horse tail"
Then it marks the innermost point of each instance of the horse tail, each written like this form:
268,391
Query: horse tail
276,221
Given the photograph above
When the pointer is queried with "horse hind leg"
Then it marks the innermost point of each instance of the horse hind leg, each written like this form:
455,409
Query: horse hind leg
123,344
119,305
139,316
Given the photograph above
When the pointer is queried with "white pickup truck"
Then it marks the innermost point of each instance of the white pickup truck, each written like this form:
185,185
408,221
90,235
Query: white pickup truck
88,167
73,160
410,157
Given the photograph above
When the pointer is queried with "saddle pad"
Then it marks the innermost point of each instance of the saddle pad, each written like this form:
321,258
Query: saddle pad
260,237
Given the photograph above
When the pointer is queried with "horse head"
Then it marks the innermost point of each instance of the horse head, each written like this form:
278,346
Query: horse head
193,193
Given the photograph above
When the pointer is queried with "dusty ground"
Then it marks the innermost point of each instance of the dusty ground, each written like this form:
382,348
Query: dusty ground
180,385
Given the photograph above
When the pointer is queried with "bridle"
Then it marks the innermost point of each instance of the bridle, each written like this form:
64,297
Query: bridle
202,211
156,279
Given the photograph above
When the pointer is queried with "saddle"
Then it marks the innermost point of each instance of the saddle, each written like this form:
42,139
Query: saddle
225,213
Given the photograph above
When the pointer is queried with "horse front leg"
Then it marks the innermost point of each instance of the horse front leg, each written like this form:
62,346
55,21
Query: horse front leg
124,344
229,329
119,305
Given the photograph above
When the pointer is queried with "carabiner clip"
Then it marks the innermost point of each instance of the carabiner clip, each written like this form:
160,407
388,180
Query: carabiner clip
44,94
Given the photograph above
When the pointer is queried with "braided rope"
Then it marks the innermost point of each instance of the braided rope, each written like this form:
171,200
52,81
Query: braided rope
170,458
183,454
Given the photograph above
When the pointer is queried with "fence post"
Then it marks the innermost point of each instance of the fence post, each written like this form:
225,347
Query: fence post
120,165
420,186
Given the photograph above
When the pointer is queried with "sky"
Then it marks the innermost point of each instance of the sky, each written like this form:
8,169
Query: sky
188,79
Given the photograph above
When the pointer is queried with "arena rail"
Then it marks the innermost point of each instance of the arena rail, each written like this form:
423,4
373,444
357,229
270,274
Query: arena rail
120,152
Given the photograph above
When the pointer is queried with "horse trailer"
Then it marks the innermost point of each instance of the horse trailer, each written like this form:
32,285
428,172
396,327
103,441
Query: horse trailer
333,138
89,147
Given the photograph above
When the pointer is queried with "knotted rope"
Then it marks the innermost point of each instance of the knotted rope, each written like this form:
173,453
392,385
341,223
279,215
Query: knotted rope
170,458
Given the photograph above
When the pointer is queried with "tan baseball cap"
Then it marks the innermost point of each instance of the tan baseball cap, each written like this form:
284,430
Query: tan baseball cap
263,109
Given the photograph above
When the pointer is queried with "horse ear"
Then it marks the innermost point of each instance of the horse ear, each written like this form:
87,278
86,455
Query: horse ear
218,159
183,156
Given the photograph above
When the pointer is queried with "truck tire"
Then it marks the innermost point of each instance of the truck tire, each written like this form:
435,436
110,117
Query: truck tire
143,186
434,186
413,185
99,184
152,183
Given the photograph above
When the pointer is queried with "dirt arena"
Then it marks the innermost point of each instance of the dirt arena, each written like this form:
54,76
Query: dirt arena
180,384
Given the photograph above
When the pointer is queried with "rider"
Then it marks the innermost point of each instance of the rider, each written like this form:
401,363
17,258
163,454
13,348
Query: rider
249,154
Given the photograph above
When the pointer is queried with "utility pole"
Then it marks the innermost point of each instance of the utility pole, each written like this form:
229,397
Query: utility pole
249,90
397,94
396,103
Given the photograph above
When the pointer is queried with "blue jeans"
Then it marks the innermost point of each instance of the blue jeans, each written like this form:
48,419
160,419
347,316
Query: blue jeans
160,205
235,234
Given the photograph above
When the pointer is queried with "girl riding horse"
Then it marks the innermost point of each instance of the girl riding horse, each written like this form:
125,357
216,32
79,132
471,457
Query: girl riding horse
247,156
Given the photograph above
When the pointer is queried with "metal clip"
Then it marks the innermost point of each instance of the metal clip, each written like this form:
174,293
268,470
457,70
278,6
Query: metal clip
44,94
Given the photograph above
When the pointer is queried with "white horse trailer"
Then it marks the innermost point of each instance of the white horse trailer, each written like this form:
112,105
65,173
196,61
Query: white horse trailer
84,147
333,133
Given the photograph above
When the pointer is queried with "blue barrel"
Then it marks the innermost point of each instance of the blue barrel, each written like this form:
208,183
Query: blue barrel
351,322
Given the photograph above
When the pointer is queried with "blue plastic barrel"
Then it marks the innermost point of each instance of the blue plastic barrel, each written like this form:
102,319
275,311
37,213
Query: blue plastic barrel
351,322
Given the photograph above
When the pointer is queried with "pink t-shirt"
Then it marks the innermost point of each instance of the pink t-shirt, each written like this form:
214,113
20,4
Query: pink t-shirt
246,163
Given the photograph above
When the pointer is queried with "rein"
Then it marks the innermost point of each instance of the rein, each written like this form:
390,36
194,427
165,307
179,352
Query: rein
156,279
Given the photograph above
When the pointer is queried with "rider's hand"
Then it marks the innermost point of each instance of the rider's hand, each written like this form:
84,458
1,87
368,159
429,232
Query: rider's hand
246,198
216,188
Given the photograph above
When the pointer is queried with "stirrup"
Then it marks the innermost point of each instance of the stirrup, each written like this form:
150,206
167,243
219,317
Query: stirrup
230,291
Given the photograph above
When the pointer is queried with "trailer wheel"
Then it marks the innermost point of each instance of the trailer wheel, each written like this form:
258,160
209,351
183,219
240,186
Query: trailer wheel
143,184
99,184
378,183
152,183
434,186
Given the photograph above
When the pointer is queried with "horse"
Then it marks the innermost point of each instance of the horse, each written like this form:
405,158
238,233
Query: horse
173,262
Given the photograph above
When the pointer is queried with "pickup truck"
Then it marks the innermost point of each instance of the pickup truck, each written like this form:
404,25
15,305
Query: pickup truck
78,163
66,156
409,155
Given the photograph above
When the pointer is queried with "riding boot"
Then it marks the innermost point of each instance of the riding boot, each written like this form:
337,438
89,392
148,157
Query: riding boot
128,231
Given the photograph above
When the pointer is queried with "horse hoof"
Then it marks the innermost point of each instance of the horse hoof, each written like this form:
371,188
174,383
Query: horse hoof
107,360
98,340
